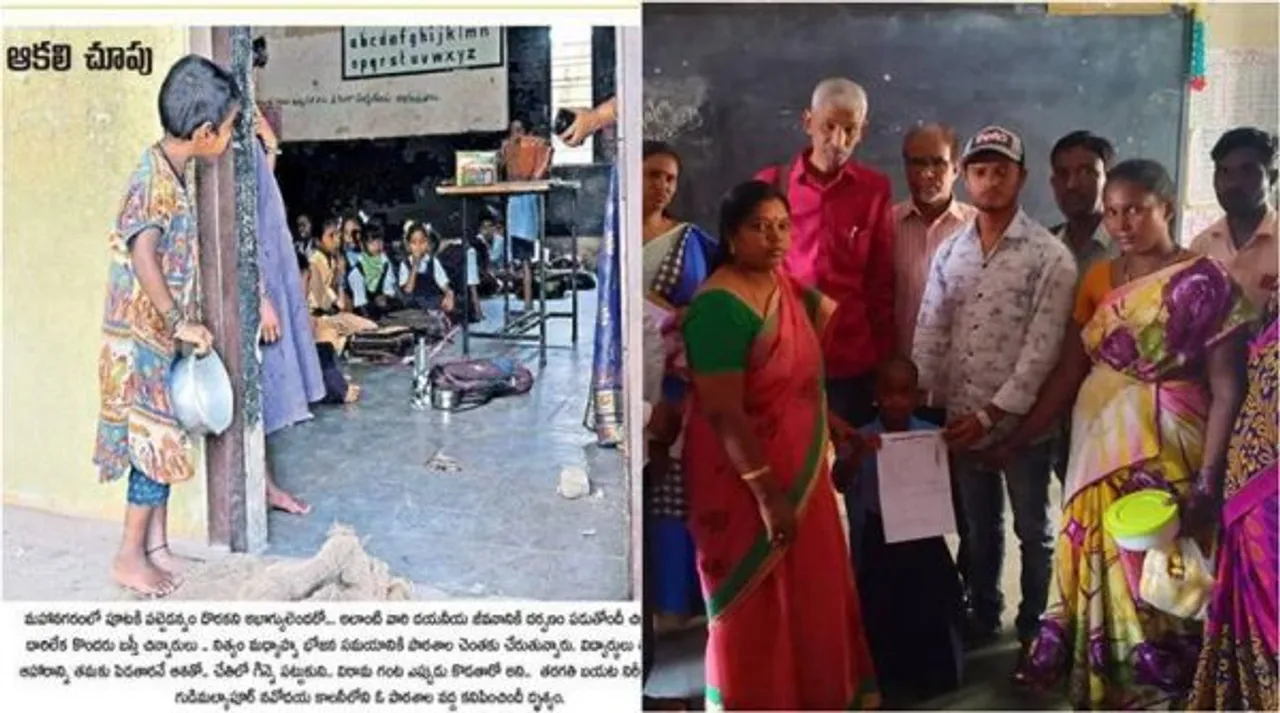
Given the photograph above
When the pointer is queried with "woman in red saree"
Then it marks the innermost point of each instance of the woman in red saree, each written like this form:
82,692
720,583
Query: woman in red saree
784,620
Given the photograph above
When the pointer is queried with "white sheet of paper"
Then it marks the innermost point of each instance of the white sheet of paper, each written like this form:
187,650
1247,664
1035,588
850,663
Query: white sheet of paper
915,486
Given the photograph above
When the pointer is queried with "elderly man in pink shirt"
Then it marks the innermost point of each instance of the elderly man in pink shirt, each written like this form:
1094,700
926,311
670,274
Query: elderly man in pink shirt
842,243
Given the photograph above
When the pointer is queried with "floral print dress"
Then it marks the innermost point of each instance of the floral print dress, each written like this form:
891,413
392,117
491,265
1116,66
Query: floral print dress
137,428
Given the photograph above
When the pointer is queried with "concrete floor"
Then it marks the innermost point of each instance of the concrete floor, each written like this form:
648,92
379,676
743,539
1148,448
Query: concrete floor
678,664
496,527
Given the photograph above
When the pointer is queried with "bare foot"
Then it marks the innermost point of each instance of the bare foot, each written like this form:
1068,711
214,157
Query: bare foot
284,501
165,559
353,394
140,576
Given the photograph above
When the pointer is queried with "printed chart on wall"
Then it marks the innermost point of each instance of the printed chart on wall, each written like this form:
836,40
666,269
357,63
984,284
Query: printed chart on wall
338,83
1240,90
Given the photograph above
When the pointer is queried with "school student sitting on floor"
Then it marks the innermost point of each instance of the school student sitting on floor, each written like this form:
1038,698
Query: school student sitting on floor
422,278
373,281
327,294
492,237
337,388
911,593
326,272
352,237
462,262
488,245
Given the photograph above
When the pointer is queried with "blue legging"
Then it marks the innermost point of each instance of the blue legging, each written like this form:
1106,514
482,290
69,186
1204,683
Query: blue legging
145,492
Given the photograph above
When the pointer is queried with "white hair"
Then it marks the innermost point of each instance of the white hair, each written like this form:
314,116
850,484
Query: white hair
840,92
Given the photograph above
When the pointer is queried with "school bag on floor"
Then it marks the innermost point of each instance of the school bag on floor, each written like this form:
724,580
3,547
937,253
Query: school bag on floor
470,383
432,324
385,344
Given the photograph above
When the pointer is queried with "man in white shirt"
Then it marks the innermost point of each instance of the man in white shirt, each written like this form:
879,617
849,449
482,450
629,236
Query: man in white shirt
990,326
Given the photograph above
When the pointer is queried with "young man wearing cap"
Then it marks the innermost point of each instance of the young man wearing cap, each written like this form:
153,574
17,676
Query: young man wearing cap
842,242
1244,173
991,321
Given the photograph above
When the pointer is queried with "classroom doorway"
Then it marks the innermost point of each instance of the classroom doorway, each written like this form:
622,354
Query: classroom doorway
465,503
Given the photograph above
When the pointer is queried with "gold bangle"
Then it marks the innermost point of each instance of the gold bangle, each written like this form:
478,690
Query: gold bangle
755,474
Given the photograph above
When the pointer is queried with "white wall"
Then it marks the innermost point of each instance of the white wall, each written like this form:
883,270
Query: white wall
305,70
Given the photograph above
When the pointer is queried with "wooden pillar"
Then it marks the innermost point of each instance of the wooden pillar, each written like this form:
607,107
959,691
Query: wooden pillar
227,191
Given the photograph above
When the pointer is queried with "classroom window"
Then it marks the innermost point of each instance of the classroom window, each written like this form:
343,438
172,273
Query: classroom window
571,85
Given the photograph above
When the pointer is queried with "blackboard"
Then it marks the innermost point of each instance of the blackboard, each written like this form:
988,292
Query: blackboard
727,84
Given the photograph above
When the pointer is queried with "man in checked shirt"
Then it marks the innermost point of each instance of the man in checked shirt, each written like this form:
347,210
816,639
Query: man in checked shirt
991,322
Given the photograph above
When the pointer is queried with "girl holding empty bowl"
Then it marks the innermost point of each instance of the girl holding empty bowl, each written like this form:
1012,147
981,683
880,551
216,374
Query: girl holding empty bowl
152,308
1153,367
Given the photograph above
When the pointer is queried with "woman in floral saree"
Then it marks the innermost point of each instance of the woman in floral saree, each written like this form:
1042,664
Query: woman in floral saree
1156,326
1237,669
785,628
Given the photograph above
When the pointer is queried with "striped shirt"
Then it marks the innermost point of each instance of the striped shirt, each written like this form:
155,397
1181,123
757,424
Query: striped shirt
914,244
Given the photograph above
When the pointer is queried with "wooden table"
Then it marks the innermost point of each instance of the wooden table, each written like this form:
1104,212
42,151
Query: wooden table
518,329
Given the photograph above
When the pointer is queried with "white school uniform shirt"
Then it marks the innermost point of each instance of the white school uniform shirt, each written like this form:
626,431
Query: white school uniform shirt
442,280
360,291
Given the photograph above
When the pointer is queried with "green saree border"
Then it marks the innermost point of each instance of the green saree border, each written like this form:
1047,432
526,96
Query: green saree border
756,562
714,701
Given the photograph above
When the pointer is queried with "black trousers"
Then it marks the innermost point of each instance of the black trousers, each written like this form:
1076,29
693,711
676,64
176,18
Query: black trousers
335,384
